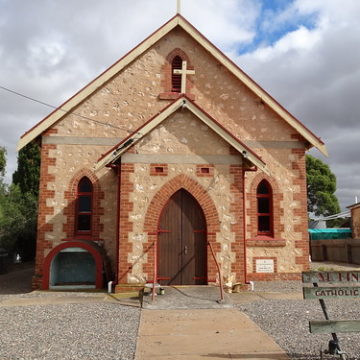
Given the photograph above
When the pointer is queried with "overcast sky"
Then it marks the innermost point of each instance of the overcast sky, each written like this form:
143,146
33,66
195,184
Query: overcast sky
305,53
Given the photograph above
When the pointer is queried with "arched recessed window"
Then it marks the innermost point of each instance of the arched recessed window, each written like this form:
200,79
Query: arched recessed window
264,209
176,78
84,206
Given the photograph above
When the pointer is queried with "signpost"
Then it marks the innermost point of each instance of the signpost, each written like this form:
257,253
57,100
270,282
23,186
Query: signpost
331,292
323,327
325,292
330,276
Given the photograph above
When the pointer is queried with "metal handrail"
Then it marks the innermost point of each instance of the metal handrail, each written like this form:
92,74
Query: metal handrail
220,274
155,270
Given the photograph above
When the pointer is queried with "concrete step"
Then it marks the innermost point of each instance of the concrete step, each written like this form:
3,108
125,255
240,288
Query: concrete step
186,297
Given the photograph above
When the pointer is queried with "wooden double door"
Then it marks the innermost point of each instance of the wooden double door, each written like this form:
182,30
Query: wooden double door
182,243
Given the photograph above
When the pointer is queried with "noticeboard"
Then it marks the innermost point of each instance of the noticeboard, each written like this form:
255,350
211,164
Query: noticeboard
331,292
330,276
264,265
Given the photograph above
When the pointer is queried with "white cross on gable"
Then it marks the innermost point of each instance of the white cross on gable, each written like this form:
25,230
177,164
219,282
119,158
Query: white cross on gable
183,72
178,6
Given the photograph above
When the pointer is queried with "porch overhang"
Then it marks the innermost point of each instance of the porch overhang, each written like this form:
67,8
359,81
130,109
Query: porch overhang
113,155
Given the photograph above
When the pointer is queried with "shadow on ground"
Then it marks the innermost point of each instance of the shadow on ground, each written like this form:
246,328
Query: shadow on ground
275,356
17,280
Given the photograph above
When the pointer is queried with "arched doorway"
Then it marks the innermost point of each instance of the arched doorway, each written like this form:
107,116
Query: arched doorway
76,264
182,255
73,267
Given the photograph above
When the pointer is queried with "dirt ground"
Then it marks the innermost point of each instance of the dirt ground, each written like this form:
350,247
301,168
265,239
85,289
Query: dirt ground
17,280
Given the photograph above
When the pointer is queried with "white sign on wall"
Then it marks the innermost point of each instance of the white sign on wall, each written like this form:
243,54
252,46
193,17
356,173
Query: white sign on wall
264,265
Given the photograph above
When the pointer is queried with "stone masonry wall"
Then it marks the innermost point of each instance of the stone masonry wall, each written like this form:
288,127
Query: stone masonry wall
291,246
180,135
62,166
131,98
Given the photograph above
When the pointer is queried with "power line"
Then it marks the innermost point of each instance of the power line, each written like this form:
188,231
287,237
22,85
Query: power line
54,107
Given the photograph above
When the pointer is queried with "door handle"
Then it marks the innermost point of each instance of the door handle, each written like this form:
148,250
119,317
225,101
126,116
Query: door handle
185,250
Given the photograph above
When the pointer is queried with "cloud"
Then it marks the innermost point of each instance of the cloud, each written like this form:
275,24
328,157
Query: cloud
314,72
300,40
227,24
51,49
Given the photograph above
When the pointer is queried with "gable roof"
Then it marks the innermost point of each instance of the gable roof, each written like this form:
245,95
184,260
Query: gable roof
177,20
183,102
354,206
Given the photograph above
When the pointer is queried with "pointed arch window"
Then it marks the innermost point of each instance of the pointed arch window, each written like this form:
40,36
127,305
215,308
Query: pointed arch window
176,78
264,209
84,207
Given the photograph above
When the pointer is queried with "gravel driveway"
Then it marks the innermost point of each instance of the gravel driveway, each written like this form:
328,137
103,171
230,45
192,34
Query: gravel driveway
69,332
287,321
64,331
107,331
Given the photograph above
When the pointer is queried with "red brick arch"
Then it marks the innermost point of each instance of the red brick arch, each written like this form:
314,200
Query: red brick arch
167,75
260,177
79,175
89,247
195,189
70,196
178,52
160,200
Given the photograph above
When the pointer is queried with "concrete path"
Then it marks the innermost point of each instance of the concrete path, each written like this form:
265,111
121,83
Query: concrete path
203,334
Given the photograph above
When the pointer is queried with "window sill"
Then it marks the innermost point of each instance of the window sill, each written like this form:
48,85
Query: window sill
265,241
81,237
174,95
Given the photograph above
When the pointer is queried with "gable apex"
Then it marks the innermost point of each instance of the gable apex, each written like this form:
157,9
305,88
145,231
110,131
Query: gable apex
177,21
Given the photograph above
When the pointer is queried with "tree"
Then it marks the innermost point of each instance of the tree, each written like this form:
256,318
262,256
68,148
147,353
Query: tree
2,185
28,171
18,221
321,186
2,161
26,178
18,204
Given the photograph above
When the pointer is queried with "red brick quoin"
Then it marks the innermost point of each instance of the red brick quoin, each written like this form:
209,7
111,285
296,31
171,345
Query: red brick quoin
301,211
42,245
125,224
236,208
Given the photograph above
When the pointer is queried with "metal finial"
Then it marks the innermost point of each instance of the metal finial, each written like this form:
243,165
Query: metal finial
178,7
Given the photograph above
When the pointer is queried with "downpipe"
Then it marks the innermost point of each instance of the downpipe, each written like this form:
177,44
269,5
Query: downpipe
110,283
251,283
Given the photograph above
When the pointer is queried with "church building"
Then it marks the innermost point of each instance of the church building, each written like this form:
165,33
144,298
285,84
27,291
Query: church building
172,166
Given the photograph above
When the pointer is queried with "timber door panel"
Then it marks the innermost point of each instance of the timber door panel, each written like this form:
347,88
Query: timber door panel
169,247
182,242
